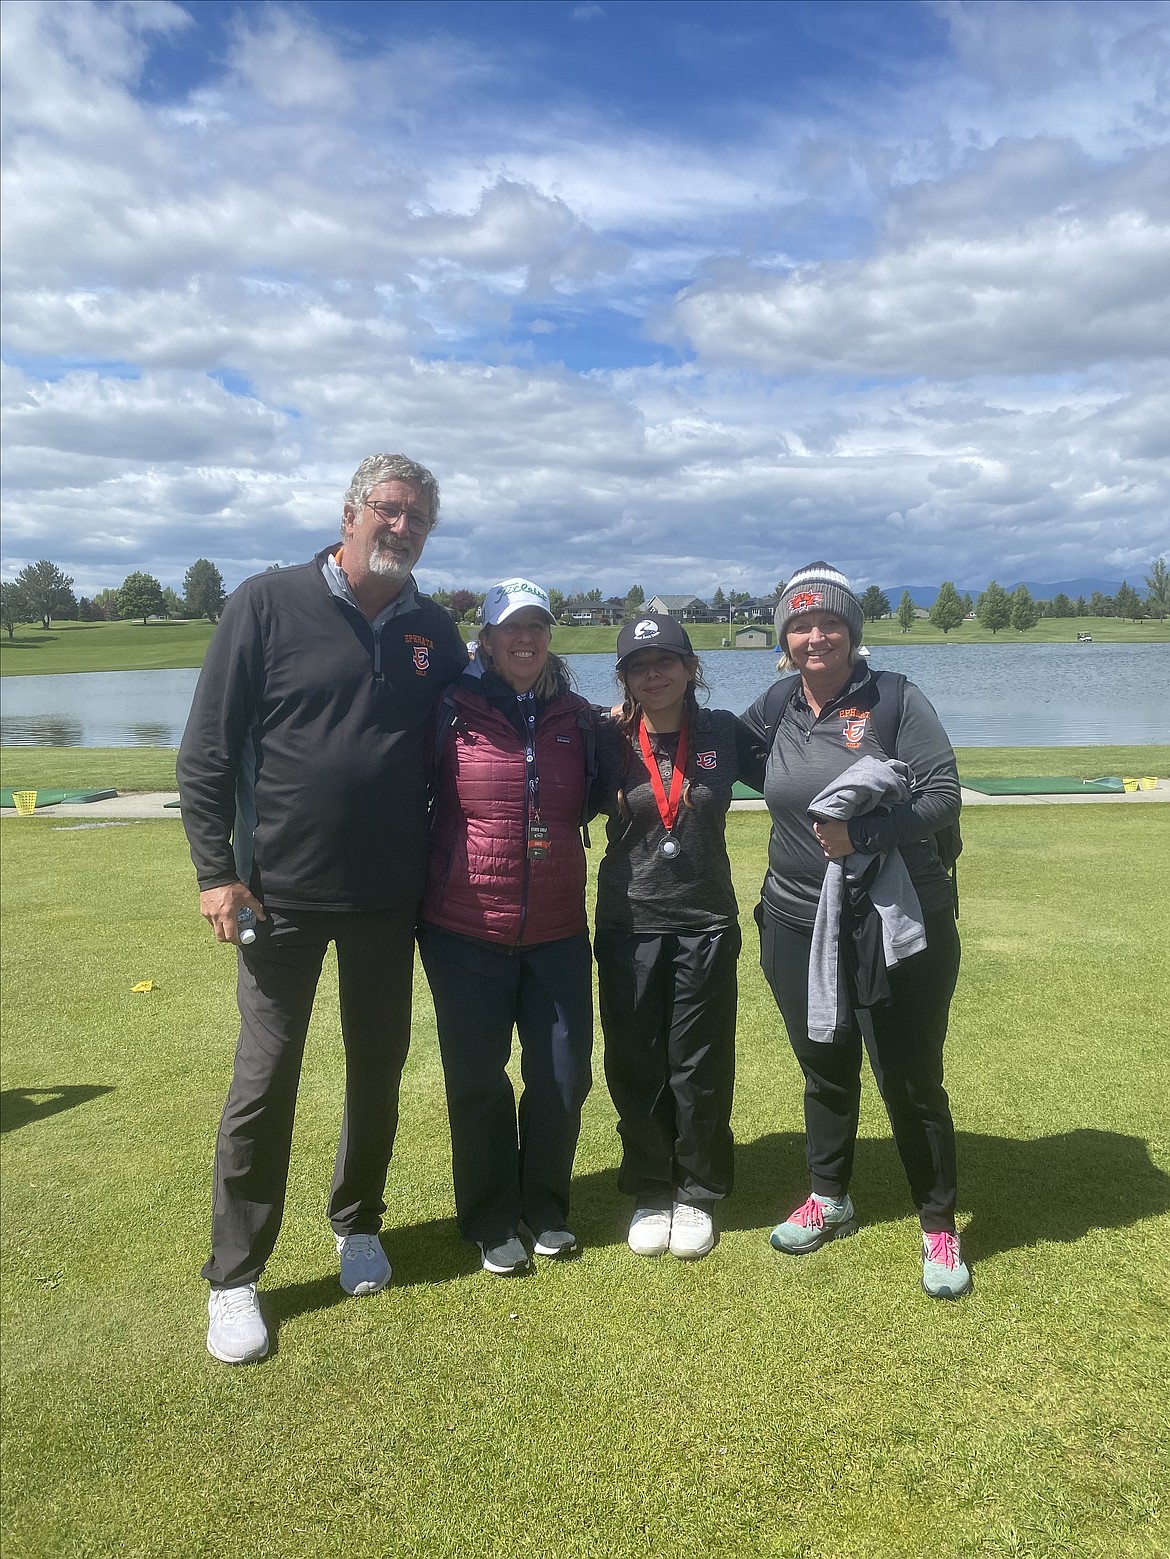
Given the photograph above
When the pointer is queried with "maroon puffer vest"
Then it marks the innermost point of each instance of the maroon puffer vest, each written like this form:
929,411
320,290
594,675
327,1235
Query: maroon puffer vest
480,882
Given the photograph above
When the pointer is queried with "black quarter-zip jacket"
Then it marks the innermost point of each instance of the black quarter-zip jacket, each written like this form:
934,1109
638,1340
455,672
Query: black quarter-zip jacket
301,770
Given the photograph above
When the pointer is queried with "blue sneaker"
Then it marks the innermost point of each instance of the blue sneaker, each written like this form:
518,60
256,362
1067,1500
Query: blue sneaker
814,1224
364,1268
945,1274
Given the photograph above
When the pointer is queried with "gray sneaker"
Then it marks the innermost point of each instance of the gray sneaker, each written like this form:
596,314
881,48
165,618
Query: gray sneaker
552,1243
364,1268
944,1272
507,1259
812,1225
236,1333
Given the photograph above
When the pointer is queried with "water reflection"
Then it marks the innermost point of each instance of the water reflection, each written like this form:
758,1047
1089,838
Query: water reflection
1045,695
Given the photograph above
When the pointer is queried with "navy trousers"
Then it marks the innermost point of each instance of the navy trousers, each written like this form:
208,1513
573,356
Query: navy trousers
904,1039
277,982
512,1166
668,1008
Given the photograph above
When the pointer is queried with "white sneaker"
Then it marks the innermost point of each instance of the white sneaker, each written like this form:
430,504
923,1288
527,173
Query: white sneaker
236,1333
650,1231
692,1233
364,1268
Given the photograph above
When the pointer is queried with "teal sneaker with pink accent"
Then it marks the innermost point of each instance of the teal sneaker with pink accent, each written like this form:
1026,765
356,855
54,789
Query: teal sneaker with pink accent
818,1221
944,1272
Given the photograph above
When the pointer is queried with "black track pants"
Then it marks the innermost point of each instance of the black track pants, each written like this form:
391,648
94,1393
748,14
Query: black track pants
277,982
904,1039
512,1166
668,1007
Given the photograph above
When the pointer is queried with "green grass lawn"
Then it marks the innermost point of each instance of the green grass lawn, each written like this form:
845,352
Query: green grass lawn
748,1404
132,646
153,768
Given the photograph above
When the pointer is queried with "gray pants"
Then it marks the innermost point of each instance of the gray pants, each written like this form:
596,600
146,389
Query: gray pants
277,982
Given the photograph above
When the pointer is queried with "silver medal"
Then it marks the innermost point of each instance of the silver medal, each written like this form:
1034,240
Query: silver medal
669,846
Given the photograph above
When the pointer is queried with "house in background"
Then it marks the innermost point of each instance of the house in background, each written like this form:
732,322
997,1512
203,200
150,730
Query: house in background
683,608
593,614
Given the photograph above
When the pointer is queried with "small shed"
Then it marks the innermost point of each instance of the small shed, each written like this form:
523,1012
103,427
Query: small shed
753,638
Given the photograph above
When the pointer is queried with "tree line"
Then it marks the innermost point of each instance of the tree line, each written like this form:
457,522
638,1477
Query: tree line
996,608
42,592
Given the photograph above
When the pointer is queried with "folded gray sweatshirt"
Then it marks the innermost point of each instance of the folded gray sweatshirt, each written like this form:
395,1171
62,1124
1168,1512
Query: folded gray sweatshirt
869,783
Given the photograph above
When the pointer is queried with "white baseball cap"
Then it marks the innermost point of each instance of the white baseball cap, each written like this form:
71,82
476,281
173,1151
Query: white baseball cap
513,595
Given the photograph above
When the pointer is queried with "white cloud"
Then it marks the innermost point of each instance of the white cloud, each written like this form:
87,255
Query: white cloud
929,318
1059,297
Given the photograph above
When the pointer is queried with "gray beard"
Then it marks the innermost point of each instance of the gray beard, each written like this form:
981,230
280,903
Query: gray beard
389,564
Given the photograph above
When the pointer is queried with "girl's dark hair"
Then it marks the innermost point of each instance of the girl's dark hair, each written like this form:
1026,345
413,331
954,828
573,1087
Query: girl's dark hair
627,724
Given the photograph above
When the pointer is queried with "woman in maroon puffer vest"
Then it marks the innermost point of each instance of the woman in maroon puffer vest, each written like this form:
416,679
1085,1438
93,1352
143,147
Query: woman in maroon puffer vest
503,935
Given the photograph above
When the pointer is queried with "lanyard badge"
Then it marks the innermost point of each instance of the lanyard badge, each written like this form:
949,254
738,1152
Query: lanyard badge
667,805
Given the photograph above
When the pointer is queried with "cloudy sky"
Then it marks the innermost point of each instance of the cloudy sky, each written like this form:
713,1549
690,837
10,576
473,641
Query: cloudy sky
679,294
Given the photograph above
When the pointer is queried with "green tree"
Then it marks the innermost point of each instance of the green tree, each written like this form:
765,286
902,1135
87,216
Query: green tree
106,603
968,604
947,611
1024,613
1158,585
719,600
875,603
556,602
1061,606
203,590
635,602
907,614
994,610
594,598
48,592
141,595
1082,607
1126,602
172,605
15,607
1101,605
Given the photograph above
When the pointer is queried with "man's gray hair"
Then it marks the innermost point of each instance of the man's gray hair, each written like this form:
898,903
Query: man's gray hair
391,468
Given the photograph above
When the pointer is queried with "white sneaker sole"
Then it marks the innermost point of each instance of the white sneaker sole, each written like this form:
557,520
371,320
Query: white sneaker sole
249,1358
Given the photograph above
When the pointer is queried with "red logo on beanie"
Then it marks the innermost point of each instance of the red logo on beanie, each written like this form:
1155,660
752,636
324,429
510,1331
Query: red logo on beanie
806,601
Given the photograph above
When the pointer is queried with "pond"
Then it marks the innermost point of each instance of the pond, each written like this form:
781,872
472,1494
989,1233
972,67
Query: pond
1009,695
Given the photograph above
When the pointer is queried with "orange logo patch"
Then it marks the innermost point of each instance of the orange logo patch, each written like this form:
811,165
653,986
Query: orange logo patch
806,600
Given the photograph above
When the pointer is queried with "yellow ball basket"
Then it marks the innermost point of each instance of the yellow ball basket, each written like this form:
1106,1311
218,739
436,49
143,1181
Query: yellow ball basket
25,802
1149,782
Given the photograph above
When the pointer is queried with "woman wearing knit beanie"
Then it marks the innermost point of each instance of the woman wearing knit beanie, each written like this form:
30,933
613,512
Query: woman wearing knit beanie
851,962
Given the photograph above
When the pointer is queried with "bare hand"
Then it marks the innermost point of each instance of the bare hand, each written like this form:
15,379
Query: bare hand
833,838
220,906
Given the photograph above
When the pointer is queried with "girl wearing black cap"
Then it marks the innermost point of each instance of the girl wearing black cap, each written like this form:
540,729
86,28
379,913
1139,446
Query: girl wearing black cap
824,740
667,939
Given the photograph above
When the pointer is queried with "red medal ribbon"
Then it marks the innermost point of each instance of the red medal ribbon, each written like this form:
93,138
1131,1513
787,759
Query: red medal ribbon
667,809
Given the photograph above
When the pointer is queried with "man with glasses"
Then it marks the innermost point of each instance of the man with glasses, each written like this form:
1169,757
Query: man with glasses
304,797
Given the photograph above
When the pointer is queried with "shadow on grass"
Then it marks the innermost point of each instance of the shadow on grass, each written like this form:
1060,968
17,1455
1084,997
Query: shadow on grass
23,1106
1012,1193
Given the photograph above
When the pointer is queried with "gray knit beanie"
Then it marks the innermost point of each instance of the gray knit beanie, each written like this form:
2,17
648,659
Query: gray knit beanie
819,588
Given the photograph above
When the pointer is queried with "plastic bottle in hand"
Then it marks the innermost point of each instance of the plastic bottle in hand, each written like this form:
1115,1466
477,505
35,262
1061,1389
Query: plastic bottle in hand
246,921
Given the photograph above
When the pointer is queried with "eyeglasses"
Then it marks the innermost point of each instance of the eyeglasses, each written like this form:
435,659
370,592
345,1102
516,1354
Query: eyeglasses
391,513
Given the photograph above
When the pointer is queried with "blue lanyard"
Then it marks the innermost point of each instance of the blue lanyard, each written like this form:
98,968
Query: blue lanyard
527,702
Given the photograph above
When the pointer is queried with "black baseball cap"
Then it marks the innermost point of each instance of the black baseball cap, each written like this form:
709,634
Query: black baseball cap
652,632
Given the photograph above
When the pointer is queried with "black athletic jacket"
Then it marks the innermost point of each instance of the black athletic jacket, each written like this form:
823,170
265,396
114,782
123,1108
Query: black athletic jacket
301,769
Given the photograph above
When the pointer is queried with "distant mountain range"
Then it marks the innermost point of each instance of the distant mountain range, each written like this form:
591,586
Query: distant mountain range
924,595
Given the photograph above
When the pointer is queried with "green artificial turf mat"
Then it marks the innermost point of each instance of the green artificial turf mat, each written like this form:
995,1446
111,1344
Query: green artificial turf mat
1043,785
52,798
